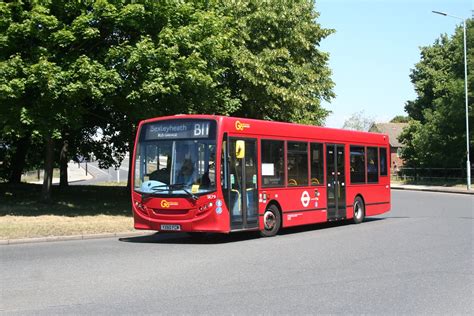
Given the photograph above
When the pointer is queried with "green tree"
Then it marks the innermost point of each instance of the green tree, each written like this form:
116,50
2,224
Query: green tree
436,136
400,119
69,70
278,71
45,88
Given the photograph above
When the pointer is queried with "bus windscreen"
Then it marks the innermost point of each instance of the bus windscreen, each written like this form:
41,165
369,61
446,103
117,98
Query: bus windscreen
176,157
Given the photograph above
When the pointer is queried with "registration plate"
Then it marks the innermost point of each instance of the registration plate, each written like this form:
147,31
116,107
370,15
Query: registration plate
171,227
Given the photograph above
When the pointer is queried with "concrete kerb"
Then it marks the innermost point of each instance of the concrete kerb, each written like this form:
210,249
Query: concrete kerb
74,237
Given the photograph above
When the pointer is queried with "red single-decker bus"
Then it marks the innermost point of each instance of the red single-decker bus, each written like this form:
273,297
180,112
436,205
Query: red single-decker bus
208,173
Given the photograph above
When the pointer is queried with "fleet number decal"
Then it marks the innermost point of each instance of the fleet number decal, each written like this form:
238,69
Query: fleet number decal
291,216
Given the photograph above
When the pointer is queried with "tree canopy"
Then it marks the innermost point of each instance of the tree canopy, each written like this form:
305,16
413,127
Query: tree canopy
71,69
400,119
436,135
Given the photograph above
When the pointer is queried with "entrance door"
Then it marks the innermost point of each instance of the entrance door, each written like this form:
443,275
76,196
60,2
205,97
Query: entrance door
336,182
243,183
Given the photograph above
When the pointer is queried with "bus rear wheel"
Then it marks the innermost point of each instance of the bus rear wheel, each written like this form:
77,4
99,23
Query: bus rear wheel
358,210
271,221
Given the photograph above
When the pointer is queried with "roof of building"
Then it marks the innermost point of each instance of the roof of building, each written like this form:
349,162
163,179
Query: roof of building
393,130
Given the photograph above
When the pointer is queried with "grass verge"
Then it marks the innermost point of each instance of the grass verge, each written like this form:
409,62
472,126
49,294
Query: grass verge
75,210
14,227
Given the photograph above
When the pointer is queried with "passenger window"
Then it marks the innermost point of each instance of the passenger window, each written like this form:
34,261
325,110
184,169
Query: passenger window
272,163
372,165
297,160
317,164
357,164
383,161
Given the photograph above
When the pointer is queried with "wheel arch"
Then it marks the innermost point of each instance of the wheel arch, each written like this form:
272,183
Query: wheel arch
361,196
275,202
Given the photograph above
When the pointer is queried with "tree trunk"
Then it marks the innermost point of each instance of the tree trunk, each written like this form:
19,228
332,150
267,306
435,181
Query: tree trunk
48,170
63,160
131,145
18,159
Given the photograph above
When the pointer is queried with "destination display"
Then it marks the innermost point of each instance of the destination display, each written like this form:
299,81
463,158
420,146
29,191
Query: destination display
180,129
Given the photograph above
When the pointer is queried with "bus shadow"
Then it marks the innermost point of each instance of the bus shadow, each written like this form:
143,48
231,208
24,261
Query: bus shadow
214,238
183,238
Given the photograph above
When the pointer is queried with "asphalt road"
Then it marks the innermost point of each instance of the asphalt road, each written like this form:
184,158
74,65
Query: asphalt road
416,259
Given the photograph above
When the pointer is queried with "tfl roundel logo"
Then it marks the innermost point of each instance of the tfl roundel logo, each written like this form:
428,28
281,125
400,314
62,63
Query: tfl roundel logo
305,198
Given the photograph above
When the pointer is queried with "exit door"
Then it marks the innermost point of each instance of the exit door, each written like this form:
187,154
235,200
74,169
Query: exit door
243,183
336,193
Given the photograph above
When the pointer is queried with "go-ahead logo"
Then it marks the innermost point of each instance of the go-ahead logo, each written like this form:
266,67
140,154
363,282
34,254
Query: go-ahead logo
167,204
241,126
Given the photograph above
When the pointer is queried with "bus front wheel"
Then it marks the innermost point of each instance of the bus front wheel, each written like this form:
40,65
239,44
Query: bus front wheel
271,221
358,210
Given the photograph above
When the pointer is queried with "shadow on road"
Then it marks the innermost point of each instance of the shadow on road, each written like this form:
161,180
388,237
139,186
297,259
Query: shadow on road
184,238
214,238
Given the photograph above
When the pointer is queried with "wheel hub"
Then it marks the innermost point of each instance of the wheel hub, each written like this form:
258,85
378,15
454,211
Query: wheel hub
357,210
269,220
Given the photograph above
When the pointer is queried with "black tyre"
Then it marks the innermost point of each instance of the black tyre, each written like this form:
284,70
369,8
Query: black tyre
358,210
271,221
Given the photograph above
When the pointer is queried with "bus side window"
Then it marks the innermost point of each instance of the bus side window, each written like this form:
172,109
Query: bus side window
317,164
383,161
272,163
297,160
372,165
357,159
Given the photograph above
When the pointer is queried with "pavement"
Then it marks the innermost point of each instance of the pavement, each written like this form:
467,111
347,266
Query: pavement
431,188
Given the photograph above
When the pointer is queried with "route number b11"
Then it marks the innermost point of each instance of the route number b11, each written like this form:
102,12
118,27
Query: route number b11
201,129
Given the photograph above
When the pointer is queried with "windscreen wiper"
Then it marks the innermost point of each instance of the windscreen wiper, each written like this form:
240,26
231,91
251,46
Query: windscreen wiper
180,186
155,189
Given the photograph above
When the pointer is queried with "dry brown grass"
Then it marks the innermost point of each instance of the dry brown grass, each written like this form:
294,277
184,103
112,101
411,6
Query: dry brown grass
13,227
76,210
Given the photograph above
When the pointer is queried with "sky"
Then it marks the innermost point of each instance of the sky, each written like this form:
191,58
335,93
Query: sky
375,45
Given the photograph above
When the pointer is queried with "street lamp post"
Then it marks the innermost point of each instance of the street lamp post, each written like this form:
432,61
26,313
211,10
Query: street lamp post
468,163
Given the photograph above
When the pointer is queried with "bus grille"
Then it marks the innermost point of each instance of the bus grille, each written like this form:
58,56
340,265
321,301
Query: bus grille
159,211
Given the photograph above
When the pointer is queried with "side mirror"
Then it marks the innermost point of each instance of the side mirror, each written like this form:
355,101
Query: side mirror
240,149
